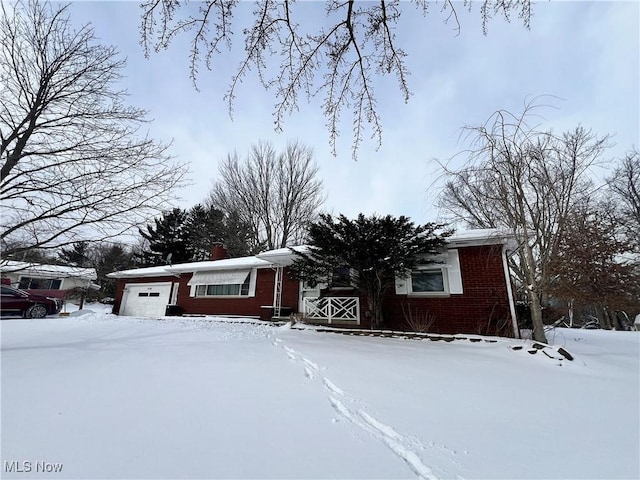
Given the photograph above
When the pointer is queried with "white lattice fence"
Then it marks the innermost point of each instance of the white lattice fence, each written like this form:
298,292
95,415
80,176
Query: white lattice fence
343,309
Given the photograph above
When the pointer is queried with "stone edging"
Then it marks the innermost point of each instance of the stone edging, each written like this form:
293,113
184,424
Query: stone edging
554,353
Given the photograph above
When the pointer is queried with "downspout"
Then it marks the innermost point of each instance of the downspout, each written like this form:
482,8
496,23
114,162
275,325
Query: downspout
512,305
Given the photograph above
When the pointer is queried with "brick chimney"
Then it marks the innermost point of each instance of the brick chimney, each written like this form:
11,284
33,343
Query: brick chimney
218,251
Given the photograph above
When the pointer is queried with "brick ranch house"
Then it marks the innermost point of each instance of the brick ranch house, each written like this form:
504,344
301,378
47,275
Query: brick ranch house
466,290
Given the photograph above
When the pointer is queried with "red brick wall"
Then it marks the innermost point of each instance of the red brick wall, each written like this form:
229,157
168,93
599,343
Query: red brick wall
482,309
249,306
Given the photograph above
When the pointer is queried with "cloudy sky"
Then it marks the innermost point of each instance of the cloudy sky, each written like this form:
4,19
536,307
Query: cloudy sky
583,54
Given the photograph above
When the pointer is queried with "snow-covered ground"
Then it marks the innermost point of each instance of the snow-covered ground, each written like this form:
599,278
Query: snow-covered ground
101,396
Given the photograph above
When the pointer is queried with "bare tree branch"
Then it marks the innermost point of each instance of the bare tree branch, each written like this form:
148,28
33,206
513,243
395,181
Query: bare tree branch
74,162
526,181
304,57
625,186
278,194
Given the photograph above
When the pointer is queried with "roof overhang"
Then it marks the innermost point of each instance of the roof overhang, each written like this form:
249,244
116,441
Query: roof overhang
241,263
228,264
143,272
283,257
47,271
464,238
481,237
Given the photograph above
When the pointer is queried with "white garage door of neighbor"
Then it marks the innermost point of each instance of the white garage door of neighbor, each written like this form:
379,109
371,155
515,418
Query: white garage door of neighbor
145,300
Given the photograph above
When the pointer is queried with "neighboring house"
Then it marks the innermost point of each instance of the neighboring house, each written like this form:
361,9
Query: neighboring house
467,289
54,280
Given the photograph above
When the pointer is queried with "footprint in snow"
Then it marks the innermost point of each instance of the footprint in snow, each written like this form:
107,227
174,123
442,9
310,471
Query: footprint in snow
309,364
291,353
331,387
392,439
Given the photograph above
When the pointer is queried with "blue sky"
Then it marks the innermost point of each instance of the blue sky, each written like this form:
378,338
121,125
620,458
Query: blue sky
586,54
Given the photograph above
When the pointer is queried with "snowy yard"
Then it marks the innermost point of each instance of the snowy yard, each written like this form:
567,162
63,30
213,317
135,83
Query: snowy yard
101,396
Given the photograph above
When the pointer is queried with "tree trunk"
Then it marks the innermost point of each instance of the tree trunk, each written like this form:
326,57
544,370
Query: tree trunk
571,313
375,308
536,317
615,321
603,318
82,297
612,318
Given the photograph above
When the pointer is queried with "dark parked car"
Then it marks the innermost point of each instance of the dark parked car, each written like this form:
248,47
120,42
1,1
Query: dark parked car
28,305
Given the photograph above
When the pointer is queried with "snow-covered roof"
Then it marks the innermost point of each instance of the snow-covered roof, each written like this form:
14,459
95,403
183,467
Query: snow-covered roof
283,256
42,270
225,264
160,271
240,263
464,238
286,256
481,236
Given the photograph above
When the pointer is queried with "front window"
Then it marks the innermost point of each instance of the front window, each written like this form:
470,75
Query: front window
33,283
225,290
341,277
429,281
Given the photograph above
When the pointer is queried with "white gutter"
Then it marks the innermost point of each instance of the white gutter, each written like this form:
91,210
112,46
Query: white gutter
512,305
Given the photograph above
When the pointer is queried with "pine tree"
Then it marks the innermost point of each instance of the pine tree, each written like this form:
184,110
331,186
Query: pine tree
205,227
238,237
77,254
110,258
168,240
376,248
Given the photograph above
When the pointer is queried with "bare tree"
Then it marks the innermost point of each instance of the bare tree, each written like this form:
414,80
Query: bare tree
525,181
276,194
73,161
336,59
592,266
625,185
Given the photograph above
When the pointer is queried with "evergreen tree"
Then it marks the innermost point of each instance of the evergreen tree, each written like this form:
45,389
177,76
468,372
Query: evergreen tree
376,248
238,238
110,258
77,254
168,240
207,226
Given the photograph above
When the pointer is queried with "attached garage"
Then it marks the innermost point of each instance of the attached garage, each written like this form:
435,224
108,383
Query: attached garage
145,299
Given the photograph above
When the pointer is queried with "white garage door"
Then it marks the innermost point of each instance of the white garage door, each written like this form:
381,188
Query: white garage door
145,299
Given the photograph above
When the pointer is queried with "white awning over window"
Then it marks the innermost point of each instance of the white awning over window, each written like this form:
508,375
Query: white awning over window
221,277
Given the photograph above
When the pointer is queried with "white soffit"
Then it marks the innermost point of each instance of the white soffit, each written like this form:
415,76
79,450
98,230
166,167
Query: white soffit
478,237
284,256
142,272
